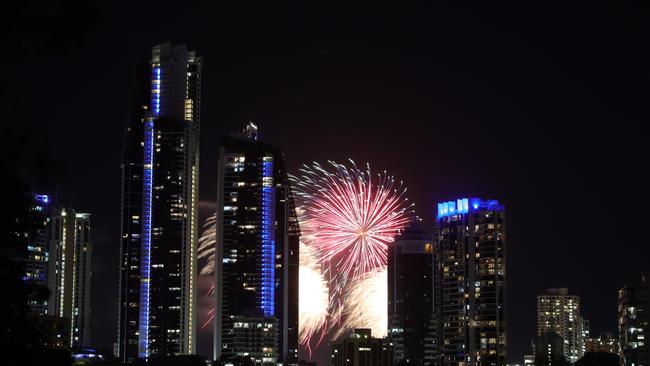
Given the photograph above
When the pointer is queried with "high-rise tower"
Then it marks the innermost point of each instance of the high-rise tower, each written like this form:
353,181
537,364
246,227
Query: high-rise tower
410,295
69,272
257,254
634,323
36,262
58,256
559,312
160,169
469,283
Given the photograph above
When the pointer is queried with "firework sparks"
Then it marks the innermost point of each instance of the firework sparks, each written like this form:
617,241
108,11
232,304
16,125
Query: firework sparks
313,297
348,218
207,245
206,256
370,312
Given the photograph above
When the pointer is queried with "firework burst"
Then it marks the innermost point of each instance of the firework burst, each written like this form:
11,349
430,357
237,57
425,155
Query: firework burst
348,217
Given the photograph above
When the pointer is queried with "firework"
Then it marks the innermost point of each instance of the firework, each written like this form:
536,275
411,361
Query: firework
207,245
348,217
206,256
313,298
370,312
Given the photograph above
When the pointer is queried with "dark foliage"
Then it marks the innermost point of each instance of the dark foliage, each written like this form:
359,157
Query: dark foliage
598,359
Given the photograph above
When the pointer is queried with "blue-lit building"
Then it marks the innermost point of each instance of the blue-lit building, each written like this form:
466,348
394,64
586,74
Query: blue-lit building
159,207
59,251
470,283
257,254
38,253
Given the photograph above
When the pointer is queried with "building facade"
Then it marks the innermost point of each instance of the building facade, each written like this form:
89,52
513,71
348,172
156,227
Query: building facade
410,296
69,272
257,251
549,349
159,207
559,312
606,342
469,283
59,252
634,323
361,349
37,260
529,360
255,340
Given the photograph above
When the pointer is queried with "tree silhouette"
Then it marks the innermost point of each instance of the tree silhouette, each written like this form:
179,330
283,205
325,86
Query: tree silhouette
598,359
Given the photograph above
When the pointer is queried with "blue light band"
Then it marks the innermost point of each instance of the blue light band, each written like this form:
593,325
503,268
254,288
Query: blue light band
268,240
465,205
147,187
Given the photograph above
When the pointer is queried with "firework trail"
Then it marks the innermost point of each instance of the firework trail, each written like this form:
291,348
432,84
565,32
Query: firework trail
371,311
313,298
206,255
348,218
207,245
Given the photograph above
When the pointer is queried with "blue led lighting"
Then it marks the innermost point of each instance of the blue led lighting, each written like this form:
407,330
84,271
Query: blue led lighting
147,186
43,198
155,91
466,205
267,298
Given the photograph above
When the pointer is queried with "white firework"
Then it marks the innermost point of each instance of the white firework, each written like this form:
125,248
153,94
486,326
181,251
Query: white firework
313,298
207,245
365,305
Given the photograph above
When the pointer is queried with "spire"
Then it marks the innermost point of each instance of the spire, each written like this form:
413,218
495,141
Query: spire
250,130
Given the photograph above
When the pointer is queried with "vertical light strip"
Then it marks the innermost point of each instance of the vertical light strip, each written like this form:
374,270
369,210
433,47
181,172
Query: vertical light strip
73,303
62,277
147,187
268,239
190,328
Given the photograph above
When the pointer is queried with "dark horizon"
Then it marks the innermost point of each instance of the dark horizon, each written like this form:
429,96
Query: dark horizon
541,108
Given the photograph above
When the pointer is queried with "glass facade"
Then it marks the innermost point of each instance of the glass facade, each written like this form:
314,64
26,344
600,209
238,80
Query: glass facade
559,312
257,255
469,283
160,165
633,323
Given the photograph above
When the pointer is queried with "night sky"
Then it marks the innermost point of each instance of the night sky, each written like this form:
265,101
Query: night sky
541,108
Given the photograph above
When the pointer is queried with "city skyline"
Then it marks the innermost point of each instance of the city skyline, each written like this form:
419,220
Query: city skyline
459,102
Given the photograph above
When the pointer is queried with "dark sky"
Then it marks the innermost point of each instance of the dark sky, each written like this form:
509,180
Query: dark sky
541,108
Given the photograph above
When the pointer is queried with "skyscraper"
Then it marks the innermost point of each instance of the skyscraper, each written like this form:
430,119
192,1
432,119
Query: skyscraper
410,295
37,258
69,273
559,312
159,207
59,252
257,254
634,323
469,282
